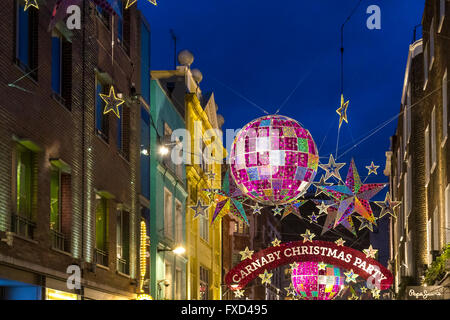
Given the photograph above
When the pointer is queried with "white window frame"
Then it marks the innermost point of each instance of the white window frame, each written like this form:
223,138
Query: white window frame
432,57
433,140
444,109
441,14
168,294
427,156
168,214
425,61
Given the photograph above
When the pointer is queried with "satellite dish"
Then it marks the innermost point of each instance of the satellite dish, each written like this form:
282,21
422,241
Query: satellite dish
197,75
185,58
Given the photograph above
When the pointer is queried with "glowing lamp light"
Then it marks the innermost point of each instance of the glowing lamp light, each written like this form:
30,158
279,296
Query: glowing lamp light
179,250
314,284
273,160
234,286
163,150
144,297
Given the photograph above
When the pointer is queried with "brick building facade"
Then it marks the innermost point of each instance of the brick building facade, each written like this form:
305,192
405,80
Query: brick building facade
418,163
69,173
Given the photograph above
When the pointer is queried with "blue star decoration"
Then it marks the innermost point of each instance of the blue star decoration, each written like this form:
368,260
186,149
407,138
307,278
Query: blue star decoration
112,102
199,208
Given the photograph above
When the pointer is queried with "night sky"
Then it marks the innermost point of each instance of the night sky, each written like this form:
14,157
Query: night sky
264,49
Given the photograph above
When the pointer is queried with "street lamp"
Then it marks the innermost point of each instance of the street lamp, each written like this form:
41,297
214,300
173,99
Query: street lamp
163,150
179,250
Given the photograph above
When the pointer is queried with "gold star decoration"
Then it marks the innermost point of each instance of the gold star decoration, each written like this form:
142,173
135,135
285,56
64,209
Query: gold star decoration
238,293
308,236
322,266
266,277
246,254
30,3
375,293
353,297
323,208
277,210
331,169
388,206
350,276
340,242
131,2
342,111
290,290
321,183
363,289
366,223
294,265
313,218
370,252
199,208
372,168
112,102
276,242
256,208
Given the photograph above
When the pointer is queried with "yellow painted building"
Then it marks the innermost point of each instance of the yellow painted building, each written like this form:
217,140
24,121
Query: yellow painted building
204,241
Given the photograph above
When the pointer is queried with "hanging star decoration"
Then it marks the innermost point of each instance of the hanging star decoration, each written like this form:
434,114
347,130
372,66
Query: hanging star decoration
331,170
238,293
30,3
342,111
375,293
199,208
112,102
276,242
229,200
332,212
293,208
372,168
256,208
307,236
293,265
322,266
322,183
313,218
366,224
350,276
246,254
290,290
353,196
277,210
340,242
370,252
131,2
363,289
266,277
210,175
353,297
323,208
388,206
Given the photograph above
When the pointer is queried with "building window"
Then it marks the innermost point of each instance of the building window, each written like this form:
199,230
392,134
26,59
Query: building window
101,119
431,44
27,38
103,15
399,165
427,156
204,226
178,222
145,61
168,277
123,27
409,187
444,109
145,153
425,66
447,214
56,63
123,132
60,208
433,139
436,229
441,14
123,241
168,224
178,284
204,283
23,221
61,69
101,231
408,113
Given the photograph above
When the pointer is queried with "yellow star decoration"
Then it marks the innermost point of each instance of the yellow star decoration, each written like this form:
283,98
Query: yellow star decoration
342,111
376,293
276,242
290,290
246,254
265,277
353,297
293,266
372,168
322,266
363,289
308,236
30,3
370,252
131,2
112,102
238,293
350,276
340,242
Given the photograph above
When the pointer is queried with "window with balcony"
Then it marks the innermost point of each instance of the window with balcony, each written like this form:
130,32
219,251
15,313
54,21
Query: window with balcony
101,231
26,38
123,241
60,208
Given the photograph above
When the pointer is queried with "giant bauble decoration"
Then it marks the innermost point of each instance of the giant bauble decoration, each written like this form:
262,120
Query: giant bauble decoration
314,284
273,160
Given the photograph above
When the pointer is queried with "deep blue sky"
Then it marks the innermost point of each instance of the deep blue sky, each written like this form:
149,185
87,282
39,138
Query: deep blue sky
263,48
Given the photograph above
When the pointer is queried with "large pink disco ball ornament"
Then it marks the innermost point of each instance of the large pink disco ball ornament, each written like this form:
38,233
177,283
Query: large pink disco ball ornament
273,160
310,283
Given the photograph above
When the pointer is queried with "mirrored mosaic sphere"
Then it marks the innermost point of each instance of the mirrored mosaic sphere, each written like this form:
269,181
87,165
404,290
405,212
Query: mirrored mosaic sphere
273,160
314,284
